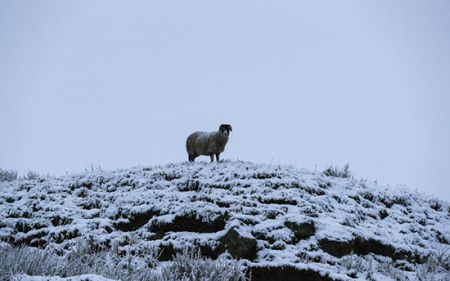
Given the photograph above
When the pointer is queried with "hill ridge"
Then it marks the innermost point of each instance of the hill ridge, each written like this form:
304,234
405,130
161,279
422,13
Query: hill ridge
280,220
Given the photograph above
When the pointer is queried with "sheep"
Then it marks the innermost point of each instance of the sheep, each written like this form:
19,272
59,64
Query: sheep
208,143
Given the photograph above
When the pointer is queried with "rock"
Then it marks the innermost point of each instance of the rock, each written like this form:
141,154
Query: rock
190,222
361,246
135,221
285,273
240,246
302,230
367,246
337,248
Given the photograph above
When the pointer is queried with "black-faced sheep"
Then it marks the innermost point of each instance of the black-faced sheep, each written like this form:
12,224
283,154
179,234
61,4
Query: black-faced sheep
208,143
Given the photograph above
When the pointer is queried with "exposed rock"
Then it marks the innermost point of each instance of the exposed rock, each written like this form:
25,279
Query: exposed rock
136,220
285,273
190,222
302,230
238,245
361,246
337,248
367,246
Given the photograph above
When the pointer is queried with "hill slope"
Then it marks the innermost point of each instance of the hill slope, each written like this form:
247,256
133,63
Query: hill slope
285,223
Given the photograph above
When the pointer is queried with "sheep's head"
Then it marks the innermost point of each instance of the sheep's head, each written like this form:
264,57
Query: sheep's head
225,129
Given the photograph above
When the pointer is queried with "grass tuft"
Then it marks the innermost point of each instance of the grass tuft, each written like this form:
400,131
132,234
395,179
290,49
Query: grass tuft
334,171
187,265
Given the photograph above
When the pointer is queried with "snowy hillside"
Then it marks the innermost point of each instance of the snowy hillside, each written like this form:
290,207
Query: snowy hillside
282,222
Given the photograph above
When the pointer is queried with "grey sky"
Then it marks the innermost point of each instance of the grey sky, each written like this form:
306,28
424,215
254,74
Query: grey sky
310,83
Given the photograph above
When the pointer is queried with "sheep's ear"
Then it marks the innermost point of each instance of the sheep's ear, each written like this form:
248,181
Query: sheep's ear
225,127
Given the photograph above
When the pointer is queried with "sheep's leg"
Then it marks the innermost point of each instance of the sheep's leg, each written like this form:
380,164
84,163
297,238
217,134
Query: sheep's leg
191,158
217,157
212,157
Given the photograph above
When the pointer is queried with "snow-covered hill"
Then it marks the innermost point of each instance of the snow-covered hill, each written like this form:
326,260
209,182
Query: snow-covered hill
285,223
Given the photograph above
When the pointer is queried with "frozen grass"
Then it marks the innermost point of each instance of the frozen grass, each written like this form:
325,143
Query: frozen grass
436,268
31,175
187,266
6,175
190,266
334,171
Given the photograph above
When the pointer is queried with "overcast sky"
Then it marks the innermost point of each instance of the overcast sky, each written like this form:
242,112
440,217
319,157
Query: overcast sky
309,83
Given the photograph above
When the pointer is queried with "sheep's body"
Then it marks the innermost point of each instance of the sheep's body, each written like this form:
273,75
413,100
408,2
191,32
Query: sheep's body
207,143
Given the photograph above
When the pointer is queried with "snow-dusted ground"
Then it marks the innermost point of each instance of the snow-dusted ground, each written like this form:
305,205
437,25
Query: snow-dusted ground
84,277
296,218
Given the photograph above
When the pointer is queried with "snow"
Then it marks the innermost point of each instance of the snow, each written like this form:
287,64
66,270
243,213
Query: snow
84,277
256,199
